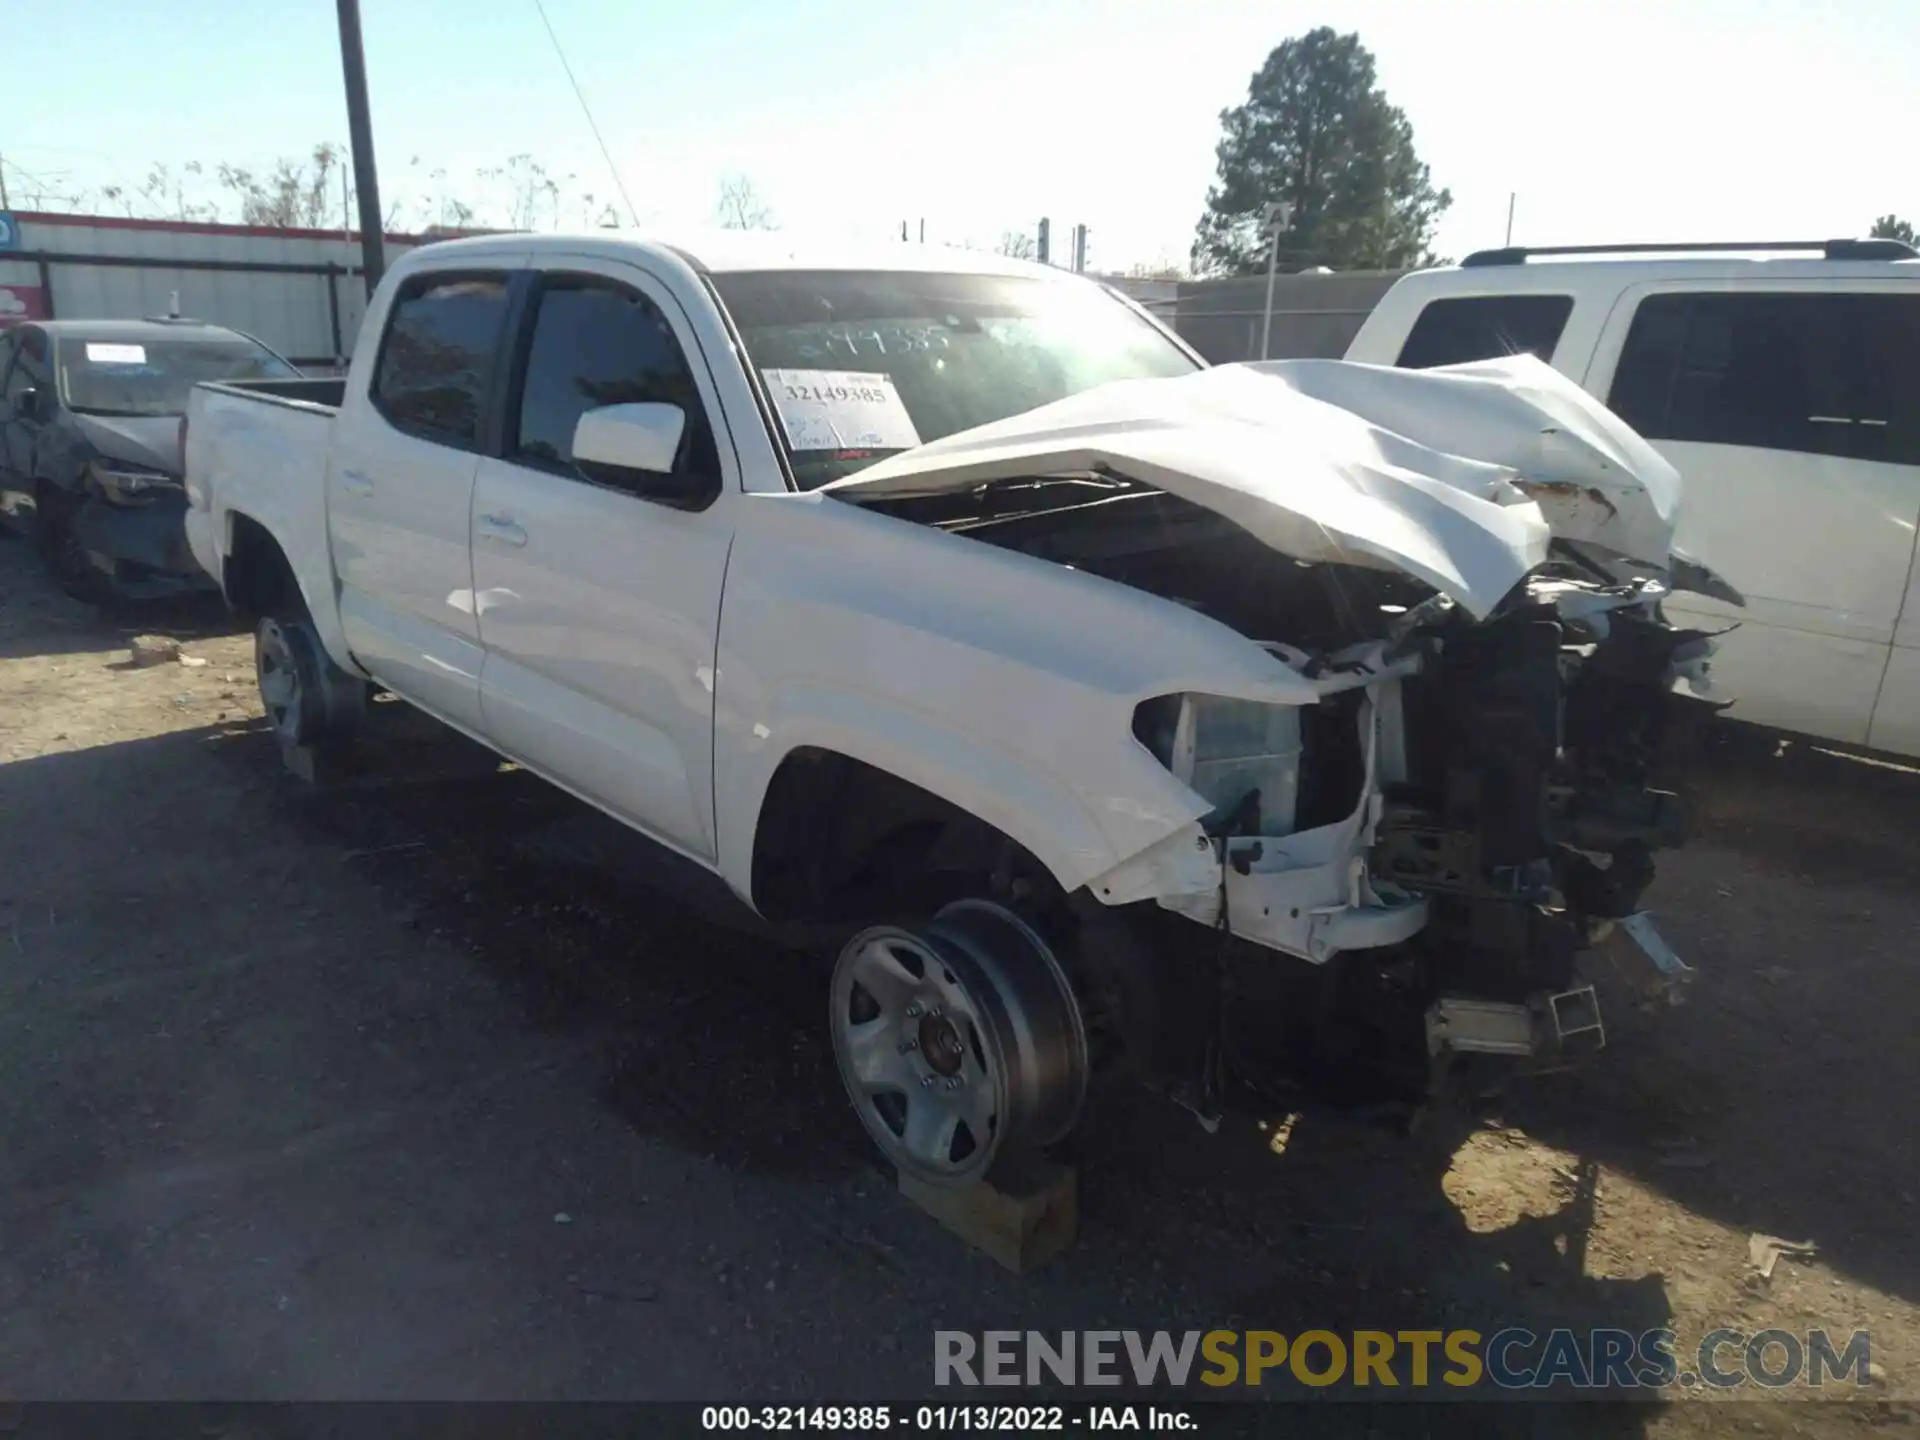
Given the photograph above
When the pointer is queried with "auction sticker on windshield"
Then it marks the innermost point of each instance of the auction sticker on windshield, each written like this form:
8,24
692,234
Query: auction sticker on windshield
117,354
841,410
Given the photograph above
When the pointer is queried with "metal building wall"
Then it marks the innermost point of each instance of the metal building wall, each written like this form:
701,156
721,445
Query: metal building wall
284,286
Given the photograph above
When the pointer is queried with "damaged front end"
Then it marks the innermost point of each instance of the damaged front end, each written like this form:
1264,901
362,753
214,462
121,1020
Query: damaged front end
1468,811
1467,566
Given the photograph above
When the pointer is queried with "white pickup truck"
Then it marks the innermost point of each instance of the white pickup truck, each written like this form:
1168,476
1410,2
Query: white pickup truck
1096,703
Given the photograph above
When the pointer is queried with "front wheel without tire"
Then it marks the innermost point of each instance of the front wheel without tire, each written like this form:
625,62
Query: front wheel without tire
959,1041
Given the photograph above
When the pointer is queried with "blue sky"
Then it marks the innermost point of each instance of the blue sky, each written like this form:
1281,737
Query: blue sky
1628,119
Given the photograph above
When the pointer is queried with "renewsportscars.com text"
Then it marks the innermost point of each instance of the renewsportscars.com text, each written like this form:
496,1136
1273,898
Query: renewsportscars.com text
1514,1358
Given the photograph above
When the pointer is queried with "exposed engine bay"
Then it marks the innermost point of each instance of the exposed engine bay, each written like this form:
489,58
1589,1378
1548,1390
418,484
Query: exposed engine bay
1473,805
1464,567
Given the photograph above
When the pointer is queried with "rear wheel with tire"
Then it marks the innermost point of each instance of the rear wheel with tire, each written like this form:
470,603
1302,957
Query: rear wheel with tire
311,703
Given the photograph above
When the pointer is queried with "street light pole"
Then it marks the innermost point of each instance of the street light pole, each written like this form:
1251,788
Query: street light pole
353,62
1278,216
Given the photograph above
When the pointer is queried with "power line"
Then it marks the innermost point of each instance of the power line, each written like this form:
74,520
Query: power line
587,111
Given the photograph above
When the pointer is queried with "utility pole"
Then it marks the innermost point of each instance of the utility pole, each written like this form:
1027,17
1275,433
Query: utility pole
353,61
1278,219
1079,249
5,204
1045,245
1512,196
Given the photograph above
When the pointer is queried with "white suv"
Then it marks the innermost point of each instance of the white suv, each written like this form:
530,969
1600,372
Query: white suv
1787,391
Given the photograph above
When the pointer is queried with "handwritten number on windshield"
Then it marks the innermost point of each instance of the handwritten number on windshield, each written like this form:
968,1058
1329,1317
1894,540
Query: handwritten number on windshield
837,394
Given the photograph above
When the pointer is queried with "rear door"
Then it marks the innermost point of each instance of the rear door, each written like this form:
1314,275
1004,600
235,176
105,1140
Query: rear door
599,607
1790,408
400,489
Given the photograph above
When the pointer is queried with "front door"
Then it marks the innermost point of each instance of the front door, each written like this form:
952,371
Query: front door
1787,407
400,491
599,608
25,364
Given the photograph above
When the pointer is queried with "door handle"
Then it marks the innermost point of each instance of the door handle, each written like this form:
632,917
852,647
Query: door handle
502,528
354,483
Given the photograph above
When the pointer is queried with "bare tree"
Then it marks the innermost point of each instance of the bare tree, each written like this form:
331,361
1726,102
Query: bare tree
1162,267
531,192
433,206
315,193
1018,244
740,206
165,193
295,194
598,214
53,192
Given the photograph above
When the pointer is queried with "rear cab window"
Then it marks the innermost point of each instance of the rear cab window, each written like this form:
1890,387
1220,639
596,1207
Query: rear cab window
1484,327
436,357
1814,372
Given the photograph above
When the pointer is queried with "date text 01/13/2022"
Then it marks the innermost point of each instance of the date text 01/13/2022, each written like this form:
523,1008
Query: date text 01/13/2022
937,1419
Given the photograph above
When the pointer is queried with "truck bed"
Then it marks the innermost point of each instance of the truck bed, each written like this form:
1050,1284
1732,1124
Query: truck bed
260,448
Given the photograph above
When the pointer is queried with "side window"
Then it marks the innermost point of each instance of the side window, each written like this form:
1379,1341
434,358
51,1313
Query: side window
437,355
1485,327
1818,374
596,343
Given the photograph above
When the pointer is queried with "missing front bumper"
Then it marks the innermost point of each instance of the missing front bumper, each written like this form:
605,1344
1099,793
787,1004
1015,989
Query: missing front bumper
142,549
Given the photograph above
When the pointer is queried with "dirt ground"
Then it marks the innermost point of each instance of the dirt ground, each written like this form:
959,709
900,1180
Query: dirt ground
451,1089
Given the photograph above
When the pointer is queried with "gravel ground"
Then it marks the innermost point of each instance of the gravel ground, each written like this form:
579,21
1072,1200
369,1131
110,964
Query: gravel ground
450,1089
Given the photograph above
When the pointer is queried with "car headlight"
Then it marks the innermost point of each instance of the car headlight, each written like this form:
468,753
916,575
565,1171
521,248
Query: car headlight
1225,750
121,486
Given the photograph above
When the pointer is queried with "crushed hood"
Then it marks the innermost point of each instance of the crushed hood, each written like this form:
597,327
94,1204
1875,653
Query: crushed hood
1458,476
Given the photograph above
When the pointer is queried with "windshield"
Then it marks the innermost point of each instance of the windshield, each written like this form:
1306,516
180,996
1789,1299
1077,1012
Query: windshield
863,364
153,377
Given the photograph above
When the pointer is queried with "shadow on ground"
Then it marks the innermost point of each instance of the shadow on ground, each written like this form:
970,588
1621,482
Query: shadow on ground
36,619
698,1033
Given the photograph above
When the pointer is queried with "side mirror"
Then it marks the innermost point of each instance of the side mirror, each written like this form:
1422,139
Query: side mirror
635,448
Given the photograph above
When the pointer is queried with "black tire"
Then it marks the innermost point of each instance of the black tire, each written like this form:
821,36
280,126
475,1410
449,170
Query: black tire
311,703
60,548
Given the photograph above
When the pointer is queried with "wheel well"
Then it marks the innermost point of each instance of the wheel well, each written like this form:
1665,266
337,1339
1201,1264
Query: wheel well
840,840
257,576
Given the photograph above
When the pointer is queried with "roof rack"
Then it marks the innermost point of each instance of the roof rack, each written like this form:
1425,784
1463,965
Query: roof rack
1827,249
